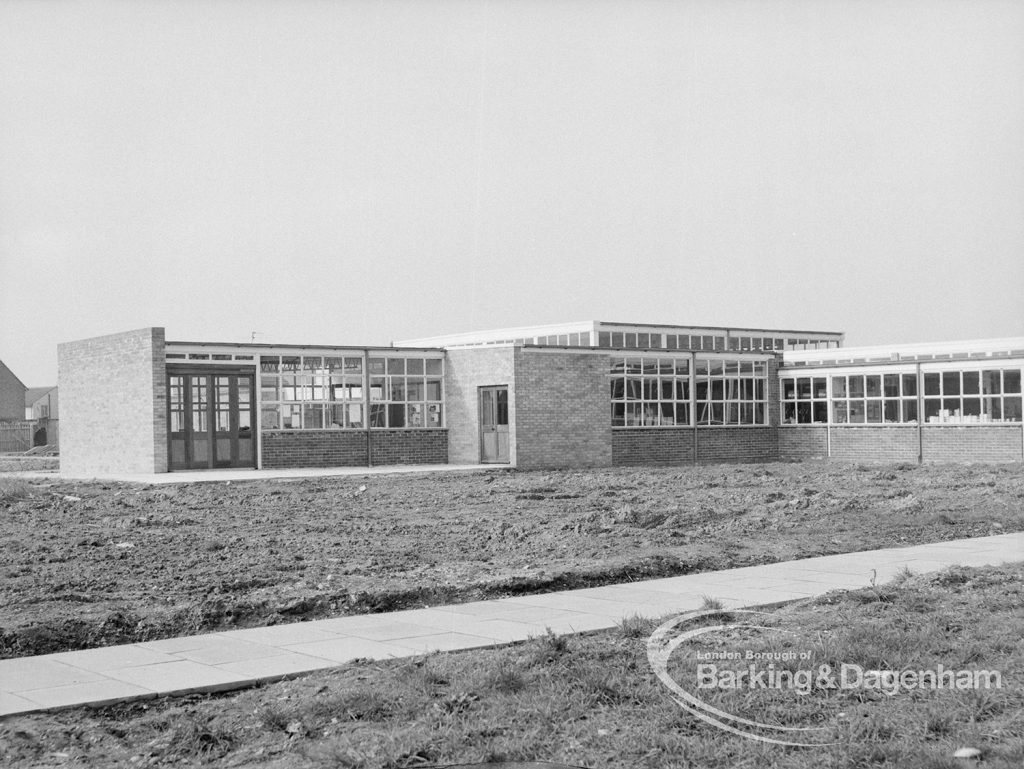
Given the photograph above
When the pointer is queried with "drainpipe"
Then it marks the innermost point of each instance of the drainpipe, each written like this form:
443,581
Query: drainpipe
828,415
920,416
693,402
366,406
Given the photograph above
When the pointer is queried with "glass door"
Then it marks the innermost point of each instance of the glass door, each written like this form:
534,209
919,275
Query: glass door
210,419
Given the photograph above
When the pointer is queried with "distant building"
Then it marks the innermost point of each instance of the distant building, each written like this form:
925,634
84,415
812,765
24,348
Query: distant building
41,407
41,403
573,395
12,395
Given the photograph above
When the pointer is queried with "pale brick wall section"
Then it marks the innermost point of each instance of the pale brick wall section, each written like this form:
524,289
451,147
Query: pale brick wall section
114,404
465,371
563,410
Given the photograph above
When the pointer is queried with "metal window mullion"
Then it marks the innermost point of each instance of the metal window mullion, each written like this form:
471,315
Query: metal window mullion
366,404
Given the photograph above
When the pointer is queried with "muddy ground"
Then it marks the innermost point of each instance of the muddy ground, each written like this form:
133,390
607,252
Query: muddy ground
89,564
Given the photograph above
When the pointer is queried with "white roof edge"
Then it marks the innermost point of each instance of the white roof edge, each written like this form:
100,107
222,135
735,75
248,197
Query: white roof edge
469,337
919,348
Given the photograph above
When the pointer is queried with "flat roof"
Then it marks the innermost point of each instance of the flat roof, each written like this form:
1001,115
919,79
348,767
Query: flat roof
719,328
256,346
968,349
596,326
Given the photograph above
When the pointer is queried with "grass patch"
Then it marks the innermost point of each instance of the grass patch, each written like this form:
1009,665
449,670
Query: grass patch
13,490
592,700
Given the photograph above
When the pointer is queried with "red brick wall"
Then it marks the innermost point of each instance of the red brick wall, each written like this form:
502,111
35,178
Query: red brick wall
737,444
875,443
347,448
803,442
892,443
563,409
652,446
409,447
974,443
323,448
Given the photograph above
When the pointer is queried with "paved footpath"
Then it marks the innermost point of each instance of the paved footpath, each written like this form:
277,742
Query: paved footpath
238,658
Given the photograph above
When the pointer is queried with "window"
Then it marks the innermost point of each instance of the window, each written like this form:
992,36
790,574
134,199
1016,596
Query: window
965,397
731,392
332,392
406,392
949,397
650,392
874,398
804,400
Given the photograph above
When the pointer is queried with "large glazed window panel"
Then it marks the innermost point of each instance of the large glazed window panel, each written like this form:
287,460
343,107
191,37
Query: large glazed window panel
804,400
732,391
965,396
872,398
968,397
645,392
330,392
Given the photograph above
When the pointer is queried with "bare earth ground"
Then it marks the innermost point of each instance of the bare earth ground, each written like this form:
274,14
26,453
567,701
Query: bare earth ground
593,700
89,564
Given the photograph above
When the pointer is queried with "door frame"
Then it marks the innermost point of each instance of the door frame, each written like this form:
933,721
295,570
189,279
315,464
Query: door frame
209,373
494,389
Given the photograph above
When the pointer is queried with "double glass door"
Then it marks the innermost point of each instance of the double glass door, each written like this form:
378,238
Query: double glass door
210,419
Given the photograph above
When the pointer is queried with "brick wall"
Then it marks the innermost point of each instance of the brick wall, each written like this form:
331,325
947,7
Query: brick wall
803,442
877,443
347,448
114,404
409,447
974,443
563,411
326,448
737,444
466,371
652,446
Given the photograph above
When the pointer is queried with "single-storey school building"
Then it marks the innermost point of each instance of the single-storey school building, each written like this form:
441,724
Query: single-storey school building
570,395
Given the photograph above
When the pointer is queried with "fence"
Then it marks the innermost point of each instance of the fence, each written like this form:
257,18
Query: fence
18,436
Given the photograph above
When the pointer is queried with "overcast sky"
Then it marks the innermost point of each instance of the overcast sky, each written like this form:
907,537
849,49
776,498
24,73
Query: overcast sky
358,172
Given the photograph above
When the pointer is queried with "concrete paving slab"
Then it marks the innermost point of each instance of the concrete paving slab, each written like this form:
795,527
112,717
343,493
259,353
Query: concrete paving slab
533,614
482,608
824,581
12,703
436,619
347,649
444,642
280,635
577,623
499,630
94,693
568,601
27,673
238,475
111,657
280,665
632,592
177,677
227,649
181,644
375,627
